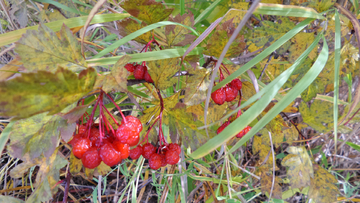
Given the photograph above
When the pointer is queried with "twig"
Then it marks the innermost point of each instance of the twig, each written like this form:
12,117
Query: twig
99,188
273,156
266,65
67,185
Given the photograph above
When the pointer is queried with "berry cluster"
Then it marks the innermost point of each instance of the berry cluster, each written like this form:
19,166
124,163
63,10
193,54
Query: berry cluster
140,72
100,142
157,158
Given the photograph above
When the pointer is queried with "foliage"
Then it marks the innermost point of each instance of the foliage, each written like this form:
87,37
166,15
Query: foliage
59,84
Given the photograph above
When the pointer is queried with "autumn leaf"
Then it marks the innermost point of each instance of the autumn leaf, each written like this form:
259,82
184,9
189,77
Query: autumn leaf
215,112
263,150
177,35
75,164
273,68
322,187
148,11
301,42
116,80
42,49
28,133
319,116
162,72
266,181
10,199
217,41
128,26
10,69
300,169
34,93
197,86
47,176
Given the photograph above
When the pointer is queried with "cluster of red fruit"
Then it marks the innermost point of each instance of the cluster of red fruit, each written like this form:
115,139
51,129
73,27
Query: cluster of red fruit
92,148
140,72
168,155
227,93
239,135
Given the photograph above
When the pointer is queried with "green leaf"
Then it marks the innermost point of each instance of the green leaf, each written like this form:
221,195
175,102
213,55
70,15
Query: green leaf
34,93
300,167
44,50
162,72
148,11
322,187
47,176
13,36
59,5
27,133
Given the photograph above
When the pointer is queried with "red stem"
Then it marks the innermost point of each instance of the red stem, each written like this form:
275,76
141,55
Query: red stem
112,129
239,112
122,115
101,129
147,134
112,117
89,123
225,68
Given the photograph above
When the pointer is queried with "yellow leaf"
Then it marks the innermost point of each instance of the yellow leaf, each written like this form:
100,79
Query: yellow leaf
322,187
128,26
319,113
178,35
197,86
266,181
162,72
263,150
75,164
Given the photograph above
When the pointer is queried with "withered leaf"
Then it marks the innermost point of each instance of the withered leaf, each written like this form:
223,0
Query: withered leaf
322,187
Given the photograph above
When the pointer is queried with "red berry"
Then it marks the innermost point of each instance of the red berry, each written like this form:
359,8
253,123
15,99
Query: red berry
76,138
219,96
148,150
109,155
155,161
91,159
147,77
230,92
127,135
94,134
139,72
236,83
136,152
172,157
80,147
130,67
243,132
174,147
133,123
163,160
124,149
82,128
222,127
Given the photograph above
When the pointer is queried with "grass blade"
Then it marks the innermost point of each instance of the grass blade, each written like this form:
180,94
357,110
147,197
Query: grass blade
260,105
336,73
264,53
182,7
145,56
287,10
13,36
207,11
138,33
4,136
59,5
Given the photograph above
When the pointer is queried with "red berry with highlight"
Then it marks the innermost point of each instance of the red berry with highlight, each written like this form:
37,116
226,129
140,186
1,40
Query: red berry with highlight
76,138
109,155
155,161
127,135
163,160
82,128
91,159
133,123
124,149
231,93
80,147
136,152
148,150
243,132
236,83
139,72
94,135
219,96
130,67
172,157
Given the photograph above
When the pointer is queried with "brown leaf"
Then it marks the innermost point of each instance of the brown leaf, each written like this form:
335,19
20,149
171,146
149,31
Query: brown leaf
266,180
178,35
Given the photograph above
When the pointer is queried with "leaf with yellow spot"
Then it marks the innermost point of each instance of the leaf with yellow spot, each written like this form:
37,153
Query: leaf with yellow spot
148,11
34,93
197,86
319,116
116,80
301,42
266,181
42,49
162,72
217,41
280,132
290,108
102,169
177,35
247,90
263,150
322,187
300,169
128,26
274,68
46,178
